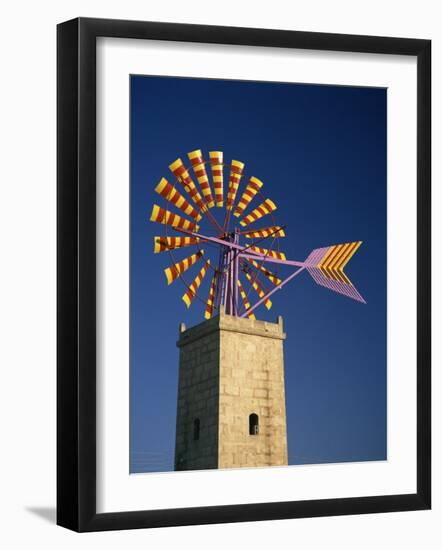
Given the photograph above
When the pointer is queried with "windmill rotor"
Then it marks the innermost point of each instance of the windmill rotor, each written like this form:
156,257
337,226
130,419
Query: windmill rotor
223,240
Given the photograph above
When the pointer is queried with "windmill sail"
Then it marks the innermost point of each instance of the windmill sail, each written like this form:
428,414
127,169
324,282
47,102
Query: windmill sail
250,191
198,165
208,313
239,248
245,300
262,210
266,252
182,175
216,164
259,289
326,266
168,191
270,276
161,215
161,244
236,170
273,231
190,294
174,271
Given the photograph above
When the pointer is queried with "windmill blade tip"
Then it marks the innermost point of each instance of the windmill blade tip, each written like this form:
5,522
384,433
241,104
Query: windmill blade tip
161,184
194,153
175,164
186,300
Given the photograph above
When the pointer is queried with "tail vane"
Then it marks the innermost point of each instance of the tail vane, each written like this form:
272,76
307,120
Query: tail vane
326,266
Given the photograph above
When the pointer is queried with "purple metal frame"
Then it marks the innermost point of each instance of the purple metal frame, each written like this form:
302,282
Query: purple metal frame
228,271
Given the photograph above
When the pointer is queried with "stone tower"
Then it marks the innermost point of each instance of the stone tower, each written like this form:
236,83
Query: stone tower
231,399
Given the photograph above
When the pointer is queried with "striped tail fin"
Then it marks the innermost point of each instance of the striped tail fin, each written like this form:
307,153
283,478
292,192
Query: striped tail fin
326,266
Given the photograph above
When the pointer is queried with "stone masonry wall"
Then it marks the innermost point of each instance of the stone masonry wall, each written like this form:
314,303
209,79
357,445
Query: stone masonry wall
198,397
230,368
251,381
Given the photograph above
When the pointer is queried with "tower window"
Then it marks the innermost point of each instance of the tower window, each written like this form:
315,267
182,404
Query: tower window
253,424
196,429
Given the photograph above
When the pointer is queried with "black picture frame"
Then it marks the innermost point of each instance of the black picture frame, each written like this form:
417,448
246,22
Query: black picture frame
76,274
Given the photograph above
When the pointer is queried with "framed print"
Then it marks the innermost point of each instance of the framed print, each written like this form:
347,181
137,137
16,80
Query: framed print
243,274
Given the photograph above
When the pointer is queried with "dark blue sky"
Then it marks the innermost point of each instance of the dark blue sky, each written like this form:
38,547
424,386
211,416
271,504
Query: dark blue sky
321,153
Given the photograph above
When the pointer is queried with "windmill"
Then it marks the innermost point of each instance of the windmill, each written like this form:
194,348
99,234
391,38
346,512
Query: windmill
229,231
220,226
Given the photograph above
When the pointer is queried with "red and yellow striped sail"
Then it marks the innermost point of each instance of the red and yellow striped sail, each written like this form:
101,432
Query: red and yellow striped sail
273,231
250,191
161,215
208,313
161,244
182,175
259,290
236,170
199,168
337,257
168,191
216,164
266,252
262,210
245,300
190,294
174,271
270,276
